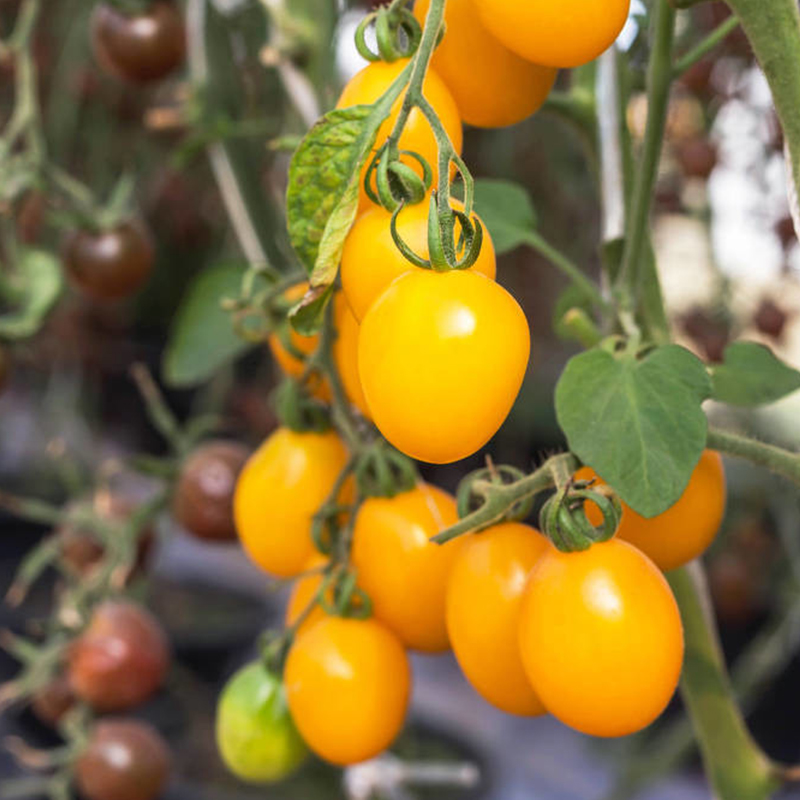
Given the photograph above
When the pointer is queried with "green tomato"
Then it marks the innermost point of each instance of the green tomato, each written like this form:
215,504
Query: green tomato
255,733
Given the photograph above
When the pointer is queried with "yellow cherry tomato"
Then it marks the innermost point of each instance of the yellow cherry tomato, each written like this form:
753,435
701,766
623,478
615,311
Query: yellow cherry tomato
345,353
278,492
371,260
442,356
473,64
373,81
601,638
288,361
555,33
403,573
484,598
684,531
348,683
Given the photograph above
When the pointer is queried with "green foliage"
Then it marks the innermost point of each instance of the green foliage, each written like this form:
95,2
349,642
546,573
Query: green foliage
637,422
750,375
202,338
30,293
507,212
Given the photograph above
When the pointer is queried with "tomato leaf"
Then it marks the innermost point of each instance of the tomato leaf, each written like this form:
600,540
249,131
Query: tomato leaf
324,175
638,423
751,375
202,338
308,315
507,212
30,293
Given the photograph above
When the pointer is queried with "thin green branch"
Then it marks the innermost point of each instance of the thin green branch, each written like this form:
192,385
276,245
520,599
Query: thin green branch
704,47
776,459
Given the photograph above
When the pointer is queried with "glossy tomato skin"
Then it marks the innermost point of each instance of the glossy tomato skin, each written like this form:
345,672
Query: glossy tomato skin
601,638
684,531
120,660
203,502
140,48
348,683
403,573
125,760
345,353
442,357
256,737
373,81
279,491
484,600
473,64
371,260
111,264
555,33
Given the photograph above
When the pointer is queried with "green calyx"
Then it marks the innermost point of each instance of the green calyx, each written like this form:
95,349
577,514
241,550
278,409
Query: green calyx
563,517
470,500
397,33
299,411
396,183
382,471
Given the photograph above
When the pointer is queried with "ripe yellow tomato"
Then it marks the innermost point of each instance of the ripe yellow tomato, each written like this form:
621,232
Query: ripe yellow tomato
371,260
347,683
555,33
684,531
304,591
601,638
442,356
305,345
473,64
484,598
345,353
368,85
402,572
278,492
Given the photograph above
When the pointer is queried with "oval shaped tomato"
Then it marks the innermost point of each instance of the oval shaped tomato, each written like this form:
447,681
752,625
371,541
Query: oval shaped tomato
473,64
125,759
256,737
555,33
403,573
373,81
684,531
371,260
345,353
484,599
601,638
282,486
442,356
139,47
348,683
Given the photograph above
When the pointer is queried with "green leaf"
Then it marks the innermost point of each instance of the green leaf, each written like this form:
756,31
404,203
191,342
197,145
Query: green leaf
202,338
324,175
507,212
308,315
638,423
572,297
751,375
31,293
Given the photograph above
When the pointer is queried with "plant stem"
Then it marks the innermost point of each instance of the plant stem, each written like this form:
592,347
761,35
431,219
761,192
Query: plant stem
736,767
776,459
659,78
561,262
704,47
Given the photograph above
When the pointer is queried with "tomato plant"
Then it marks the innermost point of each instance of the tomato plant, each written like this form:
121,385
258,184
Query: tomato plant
124,760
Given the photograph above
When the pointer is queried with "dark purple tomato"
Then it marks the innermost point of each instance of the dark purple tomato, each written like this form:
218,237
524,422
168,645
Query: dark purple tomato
125,759
111,264
204,493
139,48
120,660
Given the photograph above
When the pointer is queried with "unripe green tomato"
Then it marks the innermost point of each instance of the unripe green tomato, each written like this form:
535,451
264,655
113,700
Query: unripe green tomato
256,736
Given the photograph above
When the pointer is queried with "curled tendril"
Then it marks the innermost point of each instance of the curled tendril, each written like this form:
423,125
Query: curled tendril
396,183
444,252
397,32
563,517
472,491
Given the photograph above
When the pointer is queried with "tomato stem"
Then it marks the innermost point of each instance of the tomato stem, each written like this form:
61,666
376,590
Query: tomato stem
705,46
776,459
